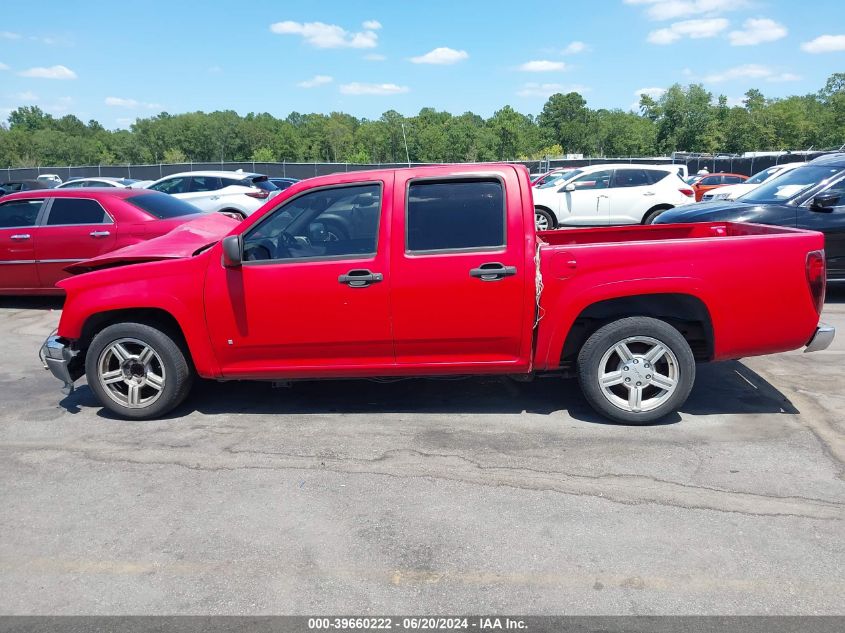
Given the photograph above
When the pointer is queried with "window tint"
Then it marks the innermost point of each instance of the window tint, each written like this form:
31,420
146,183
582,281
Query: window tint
161,206
656,175
76,211
455,214
732,180
17,213
76,184
593,180
630,178
340,221
172,185
205,183
757,178
711,180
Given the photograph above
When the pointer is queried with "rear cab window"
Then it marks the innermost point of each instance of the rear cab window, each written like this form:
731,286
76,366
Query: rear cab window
162,206
455,215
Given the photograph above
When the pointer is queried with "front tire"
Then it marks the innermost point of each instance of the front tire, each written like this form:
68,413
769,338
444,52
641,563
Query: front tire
636,370
137,371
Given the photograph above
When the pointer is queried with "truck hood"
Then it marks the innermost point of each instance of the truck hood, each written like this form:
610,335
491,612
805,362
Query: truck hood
730,211
182,241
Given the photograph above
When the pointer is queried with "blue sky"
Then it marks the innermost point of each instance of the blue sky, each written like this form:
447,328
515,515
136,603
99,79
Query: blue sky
116,61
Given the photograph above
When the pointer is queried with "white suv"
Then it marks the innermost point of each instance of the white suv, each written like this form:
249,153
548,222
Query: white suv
234,193
610,194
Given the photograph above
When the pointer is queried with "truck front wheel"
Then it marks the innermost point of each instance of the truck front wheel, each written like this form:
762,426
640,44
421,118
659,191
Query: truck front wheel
636,370
137,371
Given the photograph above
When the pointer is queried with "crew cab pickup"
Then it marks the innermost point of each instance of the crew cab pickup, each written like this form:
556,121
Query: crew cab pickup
434,271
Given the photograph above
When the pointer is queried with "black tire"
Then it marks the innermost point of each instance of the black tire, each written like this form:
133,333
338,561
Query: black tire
627,330
651,216
550,221
178,374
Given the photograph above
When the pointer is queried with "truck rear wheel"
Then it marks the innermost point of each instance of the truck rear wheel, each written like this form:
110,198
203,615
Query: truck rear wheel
137,371
636,370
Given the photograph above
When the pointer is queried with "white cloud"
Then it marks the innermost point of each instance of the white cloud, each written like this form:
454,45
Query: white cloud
654,93
756,31
3,66
374,57
321,35
316,80
661,10
61,106
25,96
749,71
825,44
535,89
8,35
52,72
442,56
542,66
694,29
372,25
573,48
356,88
120,102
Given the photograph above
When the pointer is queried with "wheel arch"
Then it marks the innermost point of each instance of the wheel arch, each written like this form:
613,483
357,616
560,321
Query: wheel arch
154,317
685,312
551,213
658,207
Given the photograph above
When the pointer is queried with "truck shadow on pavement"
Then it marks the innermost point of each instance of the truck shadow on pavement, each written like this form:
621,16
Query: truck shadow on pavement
721,388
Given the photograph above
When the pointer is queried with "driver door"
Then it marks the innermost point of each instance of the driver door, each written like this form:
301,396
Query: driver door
307,300
589,203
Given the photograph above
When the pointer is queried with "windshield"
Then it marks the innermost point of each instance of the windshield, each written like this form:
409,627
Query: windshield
566,178
791,184
161,205
553,179
760,177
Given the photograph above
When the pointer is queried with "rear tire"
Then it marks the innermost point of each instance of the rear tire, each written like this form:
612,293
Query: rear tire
636,370
543,220
137,371
651,216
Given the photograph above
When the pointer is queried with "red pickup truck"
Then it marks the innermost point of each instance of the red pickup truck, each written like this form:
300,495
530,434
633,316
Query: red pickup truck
434,271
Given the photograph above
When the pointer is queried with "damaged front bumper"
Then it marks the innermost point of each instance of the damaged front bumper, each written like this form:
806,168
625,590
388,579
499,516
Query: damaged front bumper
62,360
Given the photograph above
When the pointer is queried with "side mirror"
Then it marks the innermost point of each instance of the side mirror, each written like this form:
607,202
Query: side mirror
824,202
569,187
232,251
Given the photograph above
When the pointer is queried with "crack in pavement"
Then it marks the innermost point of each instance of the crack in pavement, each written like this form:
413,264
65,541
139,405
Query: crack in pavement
626,489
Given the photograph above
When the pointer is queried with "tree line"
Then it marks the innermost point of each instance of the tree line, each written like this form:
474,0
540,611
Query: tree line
684,118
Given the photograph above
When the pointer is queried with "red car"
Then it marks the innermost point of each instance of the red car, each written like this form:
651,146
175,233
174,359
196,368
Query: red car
43,231
438,270
713,181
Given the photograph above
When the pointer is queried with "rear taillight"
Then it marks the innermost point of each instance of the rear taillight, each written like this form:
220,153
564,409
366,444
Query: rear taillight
689,193
817,278
259,193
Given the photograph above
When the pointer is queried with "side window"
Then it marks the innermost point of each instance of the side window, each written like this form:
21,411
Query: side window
711,180
204,183
172,185
630,178
455,215
77,184
594,180
76,211
732,180
334,222
18,213
656,175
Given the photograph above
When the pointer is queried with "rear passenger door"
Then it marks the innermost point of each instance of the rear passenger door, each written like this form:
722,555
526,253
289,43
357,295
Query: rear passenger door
631,194
74,229
458,270
18,231
203,192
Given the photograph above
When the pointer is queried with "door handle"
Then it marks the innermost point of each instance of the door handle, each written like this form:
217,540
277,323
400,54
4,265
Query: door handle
99,233
492,271
360,278
20,236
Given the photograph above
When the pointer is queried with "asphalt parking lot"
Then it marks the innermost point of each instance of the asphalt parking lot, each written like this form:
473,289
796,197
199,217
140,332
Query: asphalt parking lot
423,496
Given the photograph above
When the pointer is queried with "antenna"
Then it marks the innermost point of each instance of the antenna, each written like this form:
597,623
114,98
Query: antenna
407,156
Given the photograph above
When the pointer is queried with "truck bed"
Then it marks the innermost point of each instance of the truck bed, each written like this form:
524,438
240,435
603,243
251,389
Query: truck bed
654,232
